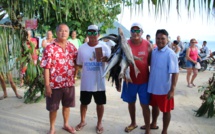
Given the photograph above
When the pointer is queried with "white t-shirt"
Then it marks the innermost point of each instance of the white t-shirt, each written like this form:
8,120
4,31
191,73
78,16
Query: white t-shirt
92,71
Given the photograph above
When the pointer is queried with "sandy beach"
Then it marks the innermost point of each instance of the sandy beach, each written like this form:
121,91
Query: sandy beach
19,118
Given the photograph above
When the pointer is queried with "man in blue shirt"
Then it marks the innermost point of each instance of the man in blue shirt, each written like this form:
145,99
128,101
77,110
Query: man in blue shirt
162,80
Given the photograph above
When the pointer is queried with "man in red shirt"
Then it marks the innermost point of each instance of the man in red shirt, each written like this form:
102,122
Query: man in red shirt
140,48
59,72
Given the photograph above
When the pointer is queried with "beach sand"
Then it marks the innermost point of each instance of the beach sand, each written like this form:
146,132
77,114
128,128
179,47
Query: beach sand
19,118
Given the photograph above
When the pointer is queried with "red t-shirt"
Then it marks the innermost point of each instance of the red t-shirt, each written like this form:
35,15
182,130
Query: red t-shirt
61,64
140,51
34,41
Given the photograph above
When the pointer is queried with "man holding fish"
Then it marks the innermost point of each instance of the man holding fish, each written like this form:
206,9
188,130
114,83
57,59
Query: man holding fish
139,73
91,58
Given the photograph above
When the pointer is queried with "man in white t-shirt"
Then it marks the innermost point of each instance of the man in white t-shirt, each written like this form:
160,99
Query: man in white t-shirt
91,57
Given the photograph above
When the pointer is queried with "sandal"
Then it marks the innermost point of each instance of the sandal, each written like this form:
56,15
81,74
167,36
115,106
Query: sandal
80,126
144,127
130,128
189,85
99,130
70,130
193,84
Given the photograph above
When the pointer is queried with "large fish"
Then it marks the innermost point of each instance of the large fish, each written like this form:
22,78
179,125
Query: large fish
124,65
114,60
127,51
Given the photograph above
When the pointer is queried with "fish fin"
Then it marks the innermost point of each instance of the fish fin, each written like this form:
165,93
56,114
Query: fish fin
120,31
138,58
136,70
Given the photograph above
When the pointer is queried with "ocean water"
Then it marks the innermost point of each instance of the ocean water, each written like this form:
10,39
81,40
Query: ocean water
210,44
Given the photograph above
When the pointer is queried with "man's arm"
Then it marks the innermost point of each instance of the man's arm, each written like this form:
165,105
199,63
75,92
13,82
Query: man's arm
173,85
150,53
48,90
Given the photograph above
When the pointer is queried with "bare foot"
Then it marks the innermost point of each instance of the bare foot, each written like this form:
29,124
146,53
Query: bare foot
1,98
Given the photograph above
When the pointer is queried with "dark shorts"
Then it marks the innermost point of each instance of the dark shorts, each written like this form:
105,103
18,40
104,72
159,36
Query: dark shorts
130,91
99,97
65,95
190,64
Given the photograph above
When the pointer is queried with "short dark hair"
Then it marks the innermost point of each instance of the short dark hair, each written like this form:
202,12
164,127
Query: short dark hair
72,32
175,42
162,31
148,35
204,41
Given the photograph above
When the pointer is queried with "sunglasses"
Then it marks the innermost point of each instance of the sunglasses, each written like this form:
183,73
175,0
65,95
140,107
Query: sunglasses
193,42
92,33
135,31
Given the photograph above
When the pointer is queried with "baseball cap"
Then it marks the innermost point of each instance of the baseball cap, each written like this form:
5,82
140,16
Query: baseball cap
136,24
93,27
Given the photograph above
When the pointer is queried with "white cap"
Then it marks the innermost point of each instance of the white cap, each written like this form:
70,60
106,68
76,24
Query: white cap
93,27
136,24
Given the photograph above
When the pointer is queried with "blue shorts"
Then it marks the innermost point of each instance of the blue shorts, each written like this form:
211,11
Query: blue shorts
130,91
190,64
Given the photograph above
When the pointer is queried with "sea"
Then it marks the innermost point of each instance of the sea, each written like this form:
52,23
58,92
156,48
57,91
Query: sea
210,44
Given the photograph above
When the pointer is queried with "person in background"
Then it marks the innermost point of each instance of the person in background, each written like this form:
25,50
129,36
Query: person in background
58,62
77,43
33,41
92,82
192,56
140,48
86,40
180,44
163,78
49,39
74,40
176,48
148,37
3,85
204,51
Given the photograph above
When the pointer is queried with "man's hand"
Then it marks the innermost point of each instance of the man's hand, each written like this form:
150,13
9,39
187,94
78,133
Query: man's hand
48,91
170,94
104,59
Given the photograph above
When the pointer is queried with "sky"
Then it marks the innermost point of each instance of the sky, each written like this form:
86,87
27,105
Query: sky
197,26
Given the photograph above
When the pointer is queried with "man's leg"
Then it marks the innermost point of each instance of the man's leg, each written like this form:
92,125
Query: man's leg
52,119
3,85
155,114
146,116
9,76
100,112
166,120
132,112
83,110
66,113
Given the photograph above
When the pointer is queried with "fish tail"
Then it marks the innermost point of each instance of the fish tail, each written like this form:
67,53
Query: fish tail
136,70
